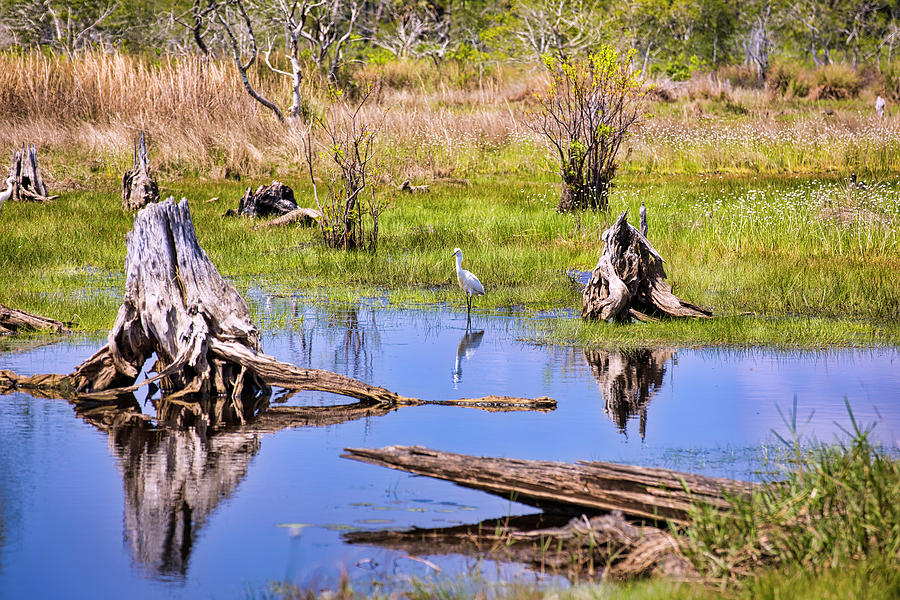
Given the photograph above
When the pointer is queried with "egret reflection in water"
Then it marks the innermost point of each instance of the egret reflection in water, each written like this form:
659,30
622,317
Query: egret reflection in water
628,381
468,343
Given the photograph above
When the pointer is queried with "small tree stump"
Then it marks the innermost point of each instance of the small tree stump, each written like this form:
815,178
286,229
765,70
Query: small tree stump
139,186
28,183
273,199
629,280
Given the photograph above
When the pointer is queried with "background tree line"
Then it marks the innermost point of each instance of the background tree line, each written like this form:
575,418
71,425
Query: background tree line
672,37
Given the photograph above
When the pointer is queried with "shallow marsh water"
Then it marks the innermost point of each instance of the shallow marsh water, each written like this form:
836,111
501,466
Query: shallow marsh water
87,515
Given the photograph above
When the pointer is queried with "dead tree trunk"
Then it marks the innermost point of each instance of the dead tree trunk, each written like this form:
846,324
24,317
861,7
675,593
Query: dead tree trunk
139,186
273,199
628,379
27,181
642,492
629,280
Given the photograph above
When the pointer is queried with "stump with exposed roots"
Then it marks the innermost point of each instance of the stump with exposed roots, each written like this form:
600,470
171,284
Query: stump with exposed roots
27,180
629,280
139,187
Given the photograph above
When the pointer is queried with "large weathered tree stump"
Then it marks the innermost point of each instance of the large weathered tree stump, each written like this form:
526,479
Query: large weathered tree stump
629,280
139,186
273,199
27,181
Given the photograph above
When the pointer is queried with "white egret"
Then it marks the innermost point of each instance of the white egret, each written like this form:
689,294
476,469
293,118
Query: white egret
5,194
468,282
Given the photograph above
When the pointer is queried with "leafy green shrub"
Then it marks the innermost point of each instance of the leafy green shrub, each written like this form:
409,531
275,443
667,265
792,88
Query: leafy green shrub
836,82
681,68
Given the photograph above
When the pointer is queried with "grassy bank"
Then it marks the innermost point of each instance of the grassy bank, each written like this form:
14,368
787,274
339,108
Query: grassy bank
795,262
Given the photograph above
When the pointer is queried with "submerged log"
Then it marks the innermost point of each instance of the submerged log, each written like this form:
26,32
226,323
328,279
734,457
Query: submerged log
14,321
629,280
273,199
27,180
643,492
139,186
606,545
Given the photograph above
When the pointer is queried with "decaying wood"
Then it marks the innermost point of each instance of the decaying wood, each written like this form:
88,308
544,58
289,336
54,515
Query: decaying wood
628,380
629,280
276,418
139,186
14,321
28,183
643,492
606,545
305,216
273,199
409,188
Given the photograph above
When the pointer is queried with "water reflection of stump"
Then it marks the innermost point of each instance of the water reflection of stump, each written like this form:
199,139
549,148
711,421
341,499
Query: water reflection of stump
173,481
628,380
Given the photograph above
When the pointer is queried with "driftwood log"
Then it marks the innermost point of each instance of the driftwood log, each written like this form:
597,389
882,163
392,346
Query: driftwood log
409,188
273,199
15,321
139,186
642,492
629,280
608,546
27,180
209,364
304,216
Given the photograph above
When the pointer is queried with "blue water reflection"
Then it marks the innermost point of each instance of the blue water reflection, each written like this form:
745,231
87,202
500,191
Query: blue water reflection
86,514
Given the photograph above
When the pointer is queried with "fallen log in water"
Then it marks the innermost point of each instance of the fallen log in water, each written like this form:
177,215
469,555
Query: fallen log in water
644,492
579,546
14,321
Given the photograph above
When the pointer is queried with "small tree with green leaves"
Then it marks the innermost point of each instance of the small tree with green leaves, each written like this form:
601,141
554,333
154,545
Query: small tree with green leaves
585,115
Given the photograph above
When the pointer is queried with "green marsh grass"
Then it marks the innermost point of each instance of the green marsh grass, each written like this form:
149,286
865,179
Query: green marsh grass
833,508
811,260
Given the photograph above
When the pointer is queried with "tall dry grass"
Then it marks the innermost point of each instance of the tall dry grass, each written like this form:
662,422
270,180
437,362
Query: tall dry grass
201,122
